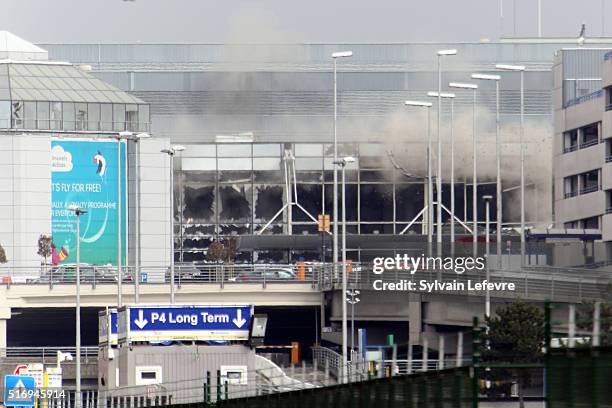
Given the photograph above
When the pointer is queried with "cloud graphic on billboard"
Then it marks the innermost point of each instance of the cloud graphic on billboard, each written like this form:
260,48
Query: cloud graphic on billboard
61,160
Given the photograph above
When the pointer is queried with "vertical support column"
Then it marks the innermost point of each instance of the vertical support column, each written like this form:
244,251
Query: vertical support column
5,314
414,319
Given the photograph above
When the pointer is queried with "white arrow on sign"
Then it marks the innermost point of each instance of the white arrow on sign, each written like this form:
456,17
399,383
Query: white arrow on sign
239,321
141,322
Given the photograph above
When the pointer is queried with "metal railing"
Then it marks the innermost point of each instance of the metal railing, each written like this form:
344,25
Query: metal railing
48,354
530,283
220,274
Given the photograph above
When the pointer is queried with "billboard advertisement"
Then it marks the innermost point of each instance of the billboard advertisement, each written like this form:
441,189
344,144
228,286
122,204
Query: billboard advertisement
84,173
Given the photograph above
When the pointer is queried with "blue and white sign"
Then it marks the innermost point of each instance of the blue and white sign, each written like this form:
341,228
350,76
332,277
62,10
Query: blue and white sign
19,391
185,323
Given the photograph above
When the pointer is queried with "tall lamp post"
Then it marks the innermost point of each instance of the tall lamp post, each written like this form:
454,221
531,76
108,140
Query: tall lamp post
498,192
335,56
451,97
171,152
441,53
487,200
354,299
342,163
473,87
78,212
521,70
429,204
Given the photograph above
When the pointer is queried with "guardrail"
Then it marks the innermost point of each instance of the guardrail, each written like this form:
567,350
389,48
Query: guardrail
535,282
48,354
529,283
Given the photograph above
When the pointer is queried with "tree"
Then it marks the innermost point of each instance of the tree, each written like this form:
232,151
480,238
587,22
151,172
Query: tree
216,252
44,246
3,255
515,335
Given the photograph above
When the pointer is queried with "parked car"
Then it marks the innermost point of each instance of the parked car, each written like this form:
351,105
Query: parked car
89,273
262,273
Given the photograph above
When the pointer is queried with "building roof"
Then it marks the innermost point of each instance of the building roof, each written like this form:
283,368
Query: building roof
13,47
26,74
56,82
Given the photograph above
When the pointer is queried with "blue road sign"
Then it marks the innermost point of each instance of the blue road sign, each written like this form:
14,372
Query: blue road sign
19,391
185,323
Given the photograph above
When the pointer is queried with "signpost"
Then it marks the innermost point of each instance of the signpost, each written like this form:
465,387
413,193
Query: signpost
19,391
158,323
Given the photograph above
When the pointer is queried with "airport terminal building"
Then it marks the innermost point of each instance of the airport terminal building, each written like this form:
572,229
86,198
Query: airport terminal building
60,127
254,116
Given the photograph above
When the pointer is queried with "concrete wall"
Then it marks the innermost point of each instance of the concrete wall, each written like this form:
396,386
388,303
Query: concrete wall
184,369
25,198
154,202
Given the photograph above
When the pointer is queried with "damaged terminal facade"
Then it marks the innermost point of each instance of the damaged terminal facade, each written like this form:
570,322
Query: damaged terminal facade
254,116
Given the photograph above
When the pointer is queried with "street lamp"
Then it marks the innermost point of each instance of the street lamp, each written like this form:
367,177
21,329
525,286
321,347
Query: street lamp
171,152
427,105
342,163
521,70
487,200
353,301
335,56
441,53
498,192
473,87
451,97
78,211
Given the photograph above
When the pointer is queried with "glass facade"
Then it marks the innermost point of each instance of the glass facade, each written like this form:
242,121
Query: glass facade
225,190
63,97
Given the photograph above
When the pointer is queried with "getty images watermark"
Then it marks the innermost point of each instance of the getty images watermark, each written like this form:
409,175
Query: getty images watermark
415,265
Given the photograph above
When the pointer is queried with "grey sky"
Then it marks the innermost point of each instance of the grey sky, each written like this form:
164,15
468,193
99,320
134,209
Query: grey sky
78,21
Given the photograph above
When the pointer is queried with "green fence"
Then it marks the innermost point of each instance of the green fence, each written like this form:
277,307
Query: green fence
579,378
441,389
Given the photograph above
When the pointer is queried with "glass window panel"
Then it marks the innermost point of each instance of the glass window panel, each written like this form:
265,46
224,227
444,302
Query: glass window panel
311,198
268,201
266,163
308,163
199,203
131,117
35,82
17,114
68,116
106,116
5,114
233,164
234,150
4,81
42,113
344,149
371,149
351,201
198,164
269,176
143,118
93,116
409,201
376,202
80,116
30,115
235,203
308,150
56,116
5,94
118,116
266,150
235,176
200,150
